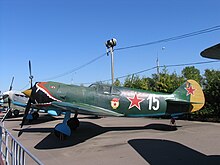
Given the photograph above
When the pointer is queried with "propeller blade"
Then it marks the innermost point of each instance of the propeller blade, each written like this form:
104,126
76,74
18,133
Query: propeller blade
27,109
10,88
9,103
31,77
5,96
9,108
30,67
6,115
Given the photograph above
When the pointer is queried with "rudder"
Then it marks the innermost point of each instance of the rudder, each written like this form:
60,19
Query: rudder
191,92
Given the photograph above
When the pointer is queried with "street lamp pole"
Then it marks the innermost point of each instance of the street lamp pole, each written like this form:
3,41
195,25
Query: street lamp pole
109,45
158,65
112,64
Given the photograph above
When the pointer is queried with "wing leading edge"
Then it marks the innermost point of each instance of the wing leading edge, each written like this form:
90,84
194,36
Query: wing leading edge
85,109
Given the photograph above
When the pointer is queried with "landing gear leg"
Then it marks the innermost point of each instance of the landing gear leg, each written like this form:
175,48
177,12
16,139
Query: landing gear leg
62,130
172,121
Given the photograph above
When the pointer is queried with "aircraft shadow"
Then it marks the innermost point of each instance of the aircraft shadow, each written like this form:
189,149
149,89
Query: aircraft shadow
45,118
42,119
160,152
87,130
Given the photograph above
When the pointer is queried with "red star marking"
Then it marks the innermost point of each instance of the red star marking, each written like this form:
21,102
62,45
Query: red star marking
52,87
190,90
135,102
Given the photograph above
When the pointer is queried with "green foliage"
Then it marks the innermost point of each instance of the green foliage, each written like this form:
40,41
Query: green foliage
117,82
212,91
136,82
169,82
166,82
192,73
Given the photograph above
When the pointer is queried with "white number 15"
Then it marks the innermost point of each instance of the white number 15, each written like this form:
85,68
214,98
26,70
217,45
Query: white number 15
153,102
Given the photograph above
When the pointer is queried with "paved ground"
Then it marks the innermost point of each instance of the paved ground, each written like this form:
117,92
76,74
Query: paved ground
121,141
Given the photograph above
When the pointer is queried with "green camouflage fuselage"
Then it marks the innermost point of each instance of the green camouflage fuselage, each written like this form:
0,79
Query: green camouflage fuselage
125,101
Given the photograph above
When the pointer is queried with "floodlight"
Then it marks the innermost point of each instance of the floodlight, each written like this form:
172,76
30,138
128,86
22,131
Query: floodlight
111,43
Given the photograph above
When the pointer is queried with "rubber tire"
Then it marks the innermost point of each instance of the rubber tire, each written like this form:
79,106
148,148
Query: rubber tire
16,112
35,115
73,123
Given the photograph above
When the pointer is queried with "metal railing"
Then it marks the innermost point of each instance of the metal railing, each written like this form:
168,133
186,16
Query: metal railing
12,152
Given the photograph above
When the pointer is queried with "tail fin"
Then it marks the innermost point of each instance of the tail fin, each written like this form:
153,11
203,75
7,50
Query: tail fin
191,92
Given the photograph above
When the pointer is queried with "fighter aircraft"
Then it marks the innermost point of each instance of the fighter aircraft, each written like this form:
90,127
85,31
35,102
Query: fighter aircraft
13,101
107,100
1,100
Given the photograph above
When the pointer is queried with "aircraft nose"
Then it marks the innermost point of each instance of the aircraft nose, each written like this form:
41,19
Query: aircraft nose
27,92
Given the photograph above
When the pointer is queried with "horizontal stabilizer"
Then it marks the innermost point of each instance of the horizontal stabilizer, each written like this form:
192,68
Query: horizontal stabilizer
182,101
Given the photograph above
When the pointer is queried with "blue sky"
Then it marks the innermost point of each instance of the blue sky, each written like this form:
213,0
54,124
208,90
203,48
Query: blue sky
58,36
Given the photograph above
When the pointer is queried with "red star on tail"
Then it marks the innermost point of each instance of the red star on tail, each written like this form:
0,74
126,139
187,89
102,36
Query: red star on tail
190,90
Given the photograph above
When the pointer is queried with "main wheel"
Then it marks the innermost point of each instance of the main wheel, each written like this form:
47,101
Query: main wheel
73,123
16,113
35,115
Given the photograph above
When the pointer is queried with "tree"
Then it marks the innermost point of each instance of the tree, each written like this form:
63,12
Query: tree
136,82
212,91
192,73
117,82
167,83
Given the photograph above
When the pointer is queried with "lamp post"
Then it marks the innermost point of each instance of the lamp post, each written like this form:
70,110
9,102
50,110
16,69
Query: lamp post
158,66
110,45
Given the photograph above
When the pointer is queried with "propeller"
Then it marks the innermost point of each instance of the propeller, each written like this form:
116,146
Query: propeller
27,109
28,106
10,88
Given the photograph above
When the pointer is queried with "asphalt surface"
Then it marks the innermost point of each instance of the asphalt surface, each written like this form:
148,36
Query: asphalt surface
129,141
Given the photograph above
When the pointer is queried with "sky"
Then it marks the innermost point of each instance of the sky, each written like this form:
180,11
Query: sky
61,36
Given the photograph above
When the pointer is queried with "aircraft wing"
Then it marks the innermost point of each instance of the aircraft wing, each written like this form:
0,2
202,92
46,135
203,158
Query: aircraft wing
85,109
19,104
